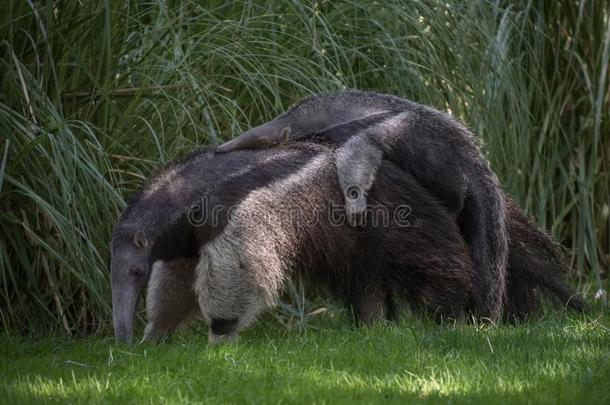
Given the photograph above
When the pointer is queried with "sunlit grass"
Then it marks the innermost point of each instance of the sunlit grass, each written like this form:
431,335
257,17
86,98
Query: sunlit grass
559,360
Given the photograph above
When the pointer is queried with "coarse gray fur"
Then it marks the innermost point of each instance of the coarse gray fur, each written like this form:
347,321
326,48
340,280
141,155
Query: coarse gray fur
440,152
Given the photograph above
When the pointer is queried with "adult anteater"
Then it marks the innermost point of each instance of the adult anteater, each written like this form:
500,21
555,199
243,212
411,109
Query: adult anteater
285,218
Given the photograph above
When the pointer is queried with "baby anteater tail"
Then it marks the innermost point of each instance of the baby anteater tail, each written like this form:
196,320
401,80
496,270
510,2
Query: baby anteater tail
536,267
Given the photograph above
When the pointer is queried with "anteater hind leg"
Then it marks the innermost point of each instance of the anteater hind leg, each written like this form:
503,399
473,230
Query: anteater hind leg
482,223
170,298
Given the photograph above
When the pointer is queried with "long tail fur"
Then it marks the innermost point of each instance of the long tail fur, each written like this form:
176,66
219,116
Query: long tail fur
536,267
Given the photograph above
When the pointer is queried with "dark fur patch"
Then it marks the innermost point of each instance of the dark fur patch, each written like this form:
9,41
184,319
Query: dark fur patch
337,135
223,326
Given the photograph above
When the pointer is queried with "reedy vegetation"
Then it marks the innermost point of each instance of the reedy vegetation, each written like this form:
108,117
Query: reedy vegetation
96,94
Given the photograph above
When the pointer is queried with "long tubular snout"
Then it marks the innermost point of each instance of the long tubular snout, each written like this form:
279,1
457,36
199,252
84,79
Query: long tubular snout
255,138
124,302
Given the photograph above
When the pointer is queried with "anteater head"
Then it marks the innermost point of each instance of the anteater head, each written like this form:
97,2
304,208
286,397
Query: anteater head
260,137
129,273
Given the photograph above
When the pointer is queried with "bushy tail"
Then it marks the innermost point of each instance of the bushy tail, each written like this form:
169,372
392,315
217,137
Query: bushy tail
536,267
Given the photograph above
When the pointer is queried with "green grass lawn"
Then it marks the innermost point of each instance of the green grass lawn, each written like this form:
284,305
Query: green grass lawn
559,359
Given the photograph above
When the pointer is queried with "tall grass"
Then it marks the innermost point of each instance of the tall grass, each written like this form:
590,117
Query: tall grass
96,94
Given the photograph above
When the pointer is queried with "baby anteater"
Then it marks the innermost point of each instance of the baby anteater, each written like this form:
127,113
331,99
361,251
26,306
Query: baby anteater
439,152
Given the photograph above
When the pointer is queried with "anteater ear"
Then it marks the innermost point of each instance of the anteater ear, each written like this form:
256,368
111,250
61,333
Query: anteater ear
285,134
140,239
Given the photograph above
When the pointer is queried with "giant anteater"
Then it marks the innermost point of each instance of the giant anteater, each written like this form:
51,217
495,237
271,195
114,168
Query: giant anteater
179,232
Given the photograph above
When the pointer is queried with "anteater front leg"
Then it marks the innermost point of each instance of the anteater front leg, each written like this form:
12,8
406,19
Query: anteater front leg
357,163
170,298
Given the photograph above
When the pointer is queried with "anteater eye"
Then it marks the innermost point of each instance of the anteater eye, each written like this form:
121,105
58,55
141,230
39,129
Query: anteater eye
135,271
